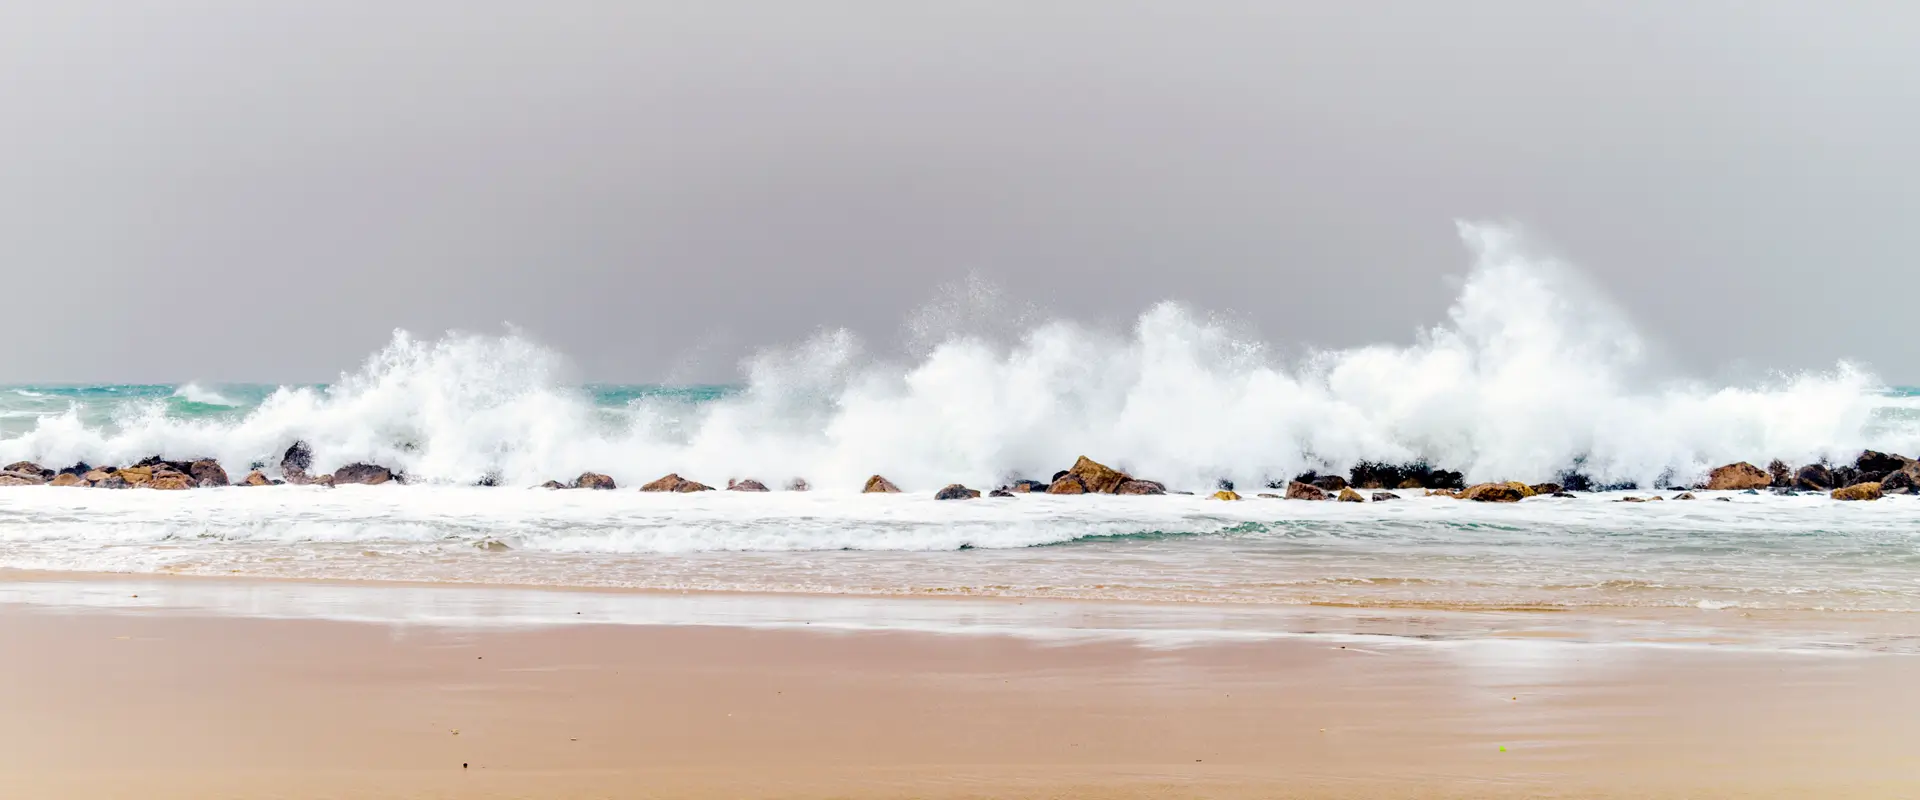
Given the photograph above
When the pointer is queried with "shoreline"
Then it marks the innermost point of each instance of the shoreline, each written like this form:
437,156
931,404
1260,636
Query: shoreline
115,703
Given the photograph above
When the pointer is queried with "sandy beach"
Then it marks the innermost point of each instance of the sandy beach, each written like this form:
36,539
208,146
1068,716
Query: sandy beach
157,703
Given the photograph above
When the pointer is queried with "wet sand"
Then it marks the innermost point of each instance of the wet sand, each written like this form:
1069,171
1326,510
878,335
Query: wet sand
163,704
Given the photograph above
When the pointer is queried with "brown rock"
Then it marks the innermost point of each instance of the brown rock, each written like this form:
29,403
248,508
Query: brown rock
29,469
1631,500
1000,493
1443,493
672,482
324,480
879,485
1224,494
954,491
1508,492
1099,478
1684,496
547,485
16,479
207,472
256,478
1140,487
1305,491
368,474
1329,483
1348,495
1905,480
1411,483
1067,484
67,479
1738,477
171,481
594,480
1545,488
1858,491
96,476
135,476
748,485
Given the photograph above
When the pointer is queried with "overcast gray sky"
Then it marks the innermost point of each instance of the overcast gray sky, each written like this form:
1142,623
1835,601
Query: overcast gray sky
250,190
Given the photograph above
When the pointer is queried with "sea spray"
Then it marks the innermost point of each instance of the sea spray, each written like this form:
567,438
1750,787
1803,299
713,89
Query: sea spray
1531,374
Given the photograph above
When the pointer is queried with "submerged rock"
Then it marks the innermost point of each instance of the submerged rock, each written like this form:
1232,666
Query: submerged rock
1267,495
1381,497
1563,495
1141,487
1508,492
1348,495
1813,478
323,480
954,491
1858,491
1224,494
366,474
208,473
879,485
552,485
1684,496
748,485
798,485
1026,486
1305,491
1738,476
1000,493
672,482
595,480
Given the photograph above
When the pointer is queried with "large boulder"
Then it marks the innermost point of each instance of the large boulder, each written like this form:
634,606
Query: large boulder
748,485
1813,478
1858,491
1905,480
207,473
1305,491
171,480
28,468
1329,483
67,479
1067,484
1099,478
1348,495
879,485
1877,463
1141,487
367,474
256,478
136,475
672,482
296,461
594,480
954,491
1508,492
1737,477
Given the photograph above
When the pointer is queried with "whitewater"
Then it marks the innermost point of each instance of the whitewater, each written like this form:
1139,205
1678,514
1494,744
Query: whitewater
1532,375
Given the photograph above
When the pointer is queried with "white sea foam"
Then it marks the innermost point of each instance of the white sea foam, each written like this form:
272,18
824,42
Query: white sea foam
195,393
1531,374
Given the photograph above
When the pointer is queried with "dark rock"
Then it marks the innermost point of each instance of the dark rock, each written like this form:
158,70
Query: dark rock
954,491
1545,488
1142,487
594,480
1575,482
1381,497
367,474
1329,483
1305,491
672,482
1266,495
879,485
1785,491
1415,475
78,468
296,461
490,479
1781,474
1881,463
798,485
553,485
1563,495
1738,476
1684,496
748,485
1000,493
1058,476
208,472
1024,486
1222,484
1902,481
1845,476
1813,478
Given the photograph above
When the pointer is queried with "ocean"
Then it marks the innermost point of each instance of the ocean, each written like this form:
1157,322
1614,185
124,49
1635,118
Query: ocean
1523,383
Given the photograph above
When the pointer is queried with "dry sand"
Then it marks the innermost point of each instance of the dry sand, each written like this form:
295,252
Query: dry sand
97,704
